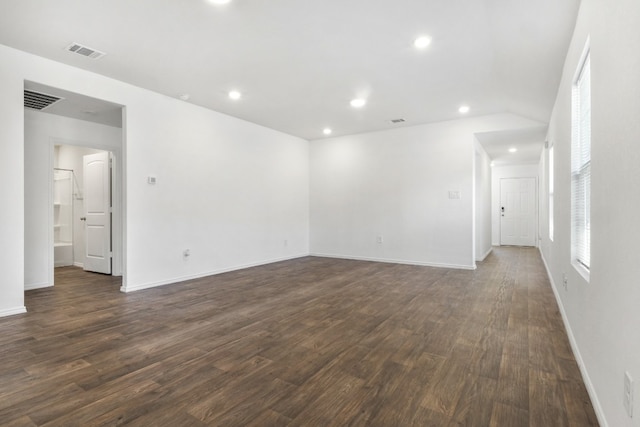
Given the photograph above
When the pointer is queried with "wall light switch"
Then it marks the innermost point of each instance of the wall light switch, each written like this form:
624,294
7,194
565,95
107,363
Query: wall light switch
151,180
454,194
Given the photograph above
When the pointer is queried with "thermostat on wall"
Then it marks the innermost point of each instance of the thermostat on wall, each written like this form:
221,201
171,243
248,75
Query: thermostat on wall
151,180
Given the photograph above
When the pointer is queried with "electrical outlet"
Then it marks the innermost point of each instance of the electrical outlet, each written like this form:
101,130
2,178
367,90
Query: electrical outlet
565,281
286,243
186,253
379,239
628,394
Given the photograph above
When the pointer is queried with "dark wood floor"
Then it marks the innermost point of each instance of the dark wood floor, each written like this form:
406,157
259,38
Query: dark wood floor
308,342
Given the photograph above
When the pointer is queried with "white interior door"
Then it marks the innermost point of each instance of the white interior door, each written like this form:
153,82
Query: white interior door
518,211
97,212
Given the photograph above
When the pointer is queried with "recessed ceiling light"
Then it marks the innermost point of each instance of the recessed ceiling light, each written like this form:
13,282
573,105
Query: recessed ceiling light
358,102
234,94
464,109
422,42
513,150
219,1
327,131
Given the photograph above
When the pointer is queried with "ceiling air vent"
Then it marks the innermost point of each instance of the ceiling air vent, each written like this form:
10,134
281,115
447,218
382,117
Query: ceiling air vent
39,101
398,120
85,51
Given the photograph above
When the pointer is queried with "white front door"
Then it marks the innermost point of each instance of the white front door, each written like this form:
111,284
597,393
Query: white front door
97,212
518,211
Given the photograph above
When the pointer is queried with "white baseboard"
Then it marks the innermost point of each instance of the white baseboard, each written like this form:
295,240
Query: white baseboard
33,286
78,264
576,350
396,261
13,311
139,287
483,257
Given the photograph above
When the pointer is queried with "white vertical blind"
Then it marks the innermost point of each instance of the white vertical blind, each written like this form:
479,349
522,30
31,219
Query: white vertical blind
551,191
581,167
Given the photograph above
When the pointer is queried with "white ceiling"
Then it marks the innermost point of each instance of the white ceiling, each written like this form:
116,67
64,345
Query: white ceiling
298,63
528,142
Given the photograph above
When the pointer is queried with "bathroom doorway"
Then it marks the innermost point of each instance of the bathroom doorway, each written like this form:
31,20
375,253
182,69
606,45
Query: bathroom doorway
82,208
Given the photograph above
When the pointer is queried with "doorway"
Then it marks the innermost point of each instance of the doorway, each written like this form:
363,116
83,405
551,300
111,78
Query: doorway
518,211
77,123
82,208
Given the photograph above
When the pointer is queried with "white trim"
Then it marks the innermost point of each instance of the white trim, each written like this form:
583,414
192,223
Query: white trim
117,192
580,215
396,261
142,286
586,50
486,254
582,270
576,351
33,286
78,264
13,311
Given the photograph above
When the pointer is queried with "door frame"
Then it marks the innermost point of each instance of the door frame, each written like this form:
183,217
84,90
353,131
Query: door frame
117,194
536,202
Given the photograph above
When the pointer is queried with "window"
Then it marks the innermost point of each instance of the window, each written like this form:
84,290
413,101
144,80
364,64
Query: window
581,167
550,192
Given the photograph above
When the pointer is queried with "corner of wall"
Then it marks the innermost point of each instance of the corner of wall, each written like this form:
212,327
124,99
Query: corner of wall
13,311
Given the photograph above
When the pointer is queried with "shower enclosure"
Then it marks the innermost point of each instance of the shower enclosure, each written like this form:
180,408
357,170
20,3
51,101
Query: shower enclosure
63,217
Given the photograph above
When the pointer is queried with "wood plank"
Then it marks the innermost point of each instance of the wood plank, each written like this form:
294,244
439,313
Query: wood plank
577,404
311,341
546,403
20,422
513,382
446,387
476,404
507,415
269,418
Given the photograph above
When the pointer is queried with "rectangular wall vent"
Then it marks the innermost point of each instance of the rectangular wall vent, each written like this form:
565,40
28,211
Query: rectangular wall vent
85,51
38,100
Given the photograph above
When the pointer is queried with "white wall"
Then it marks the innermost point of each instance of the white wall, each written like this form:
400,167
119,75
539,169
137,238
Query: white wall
229,190
498,173
603,314
41,132
482,211
12,192
396,184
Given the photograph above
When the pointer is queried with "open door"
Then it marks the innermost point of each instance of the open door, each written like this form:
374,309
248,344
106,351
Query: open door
97,212
518,211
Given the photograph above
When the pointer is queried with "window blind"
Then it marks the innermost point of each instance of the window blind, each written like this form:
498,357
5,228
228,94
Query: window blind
551,192
581,167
